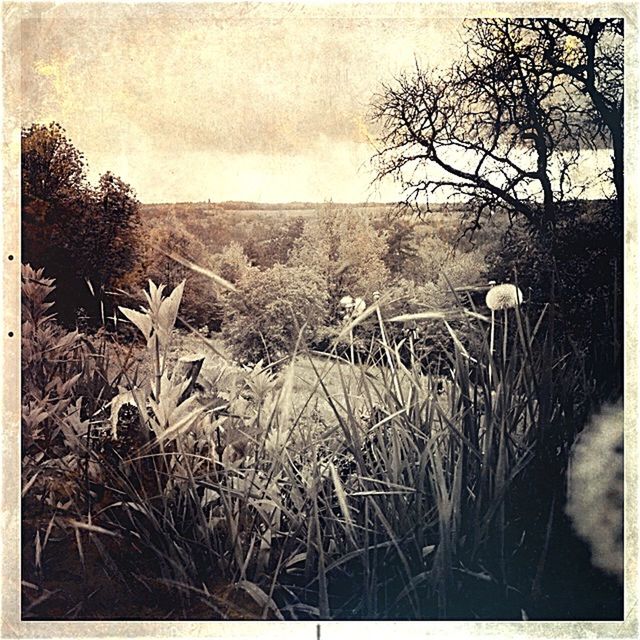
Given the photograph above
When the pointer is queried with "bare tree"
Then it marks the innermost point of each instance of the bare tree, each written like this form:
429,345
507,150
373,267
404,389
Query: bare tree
506,125
590,53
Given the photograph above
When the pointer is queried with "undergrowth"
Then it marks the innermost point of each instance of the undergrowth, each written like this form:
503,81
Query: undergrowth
415,496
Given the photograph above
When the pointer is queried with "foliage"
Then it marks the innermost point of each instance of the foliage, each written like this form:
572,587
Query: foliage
272,310
588,281
270,240
423,454
51,363
345,248
232,263
78,233
201,304
168,413
52,168
415,488
107,233
399,232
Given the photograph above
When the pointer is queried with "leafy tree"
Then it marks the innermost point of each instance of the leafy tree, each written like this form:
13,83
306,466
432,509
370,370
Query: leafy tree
201,304
271,240
78,233
272,310
399,232
107,232
52,168
53,185
346,250
232,263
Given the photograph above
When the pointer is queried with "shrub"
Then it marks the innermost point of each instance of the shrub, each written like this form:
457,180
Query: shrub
271,309
51,363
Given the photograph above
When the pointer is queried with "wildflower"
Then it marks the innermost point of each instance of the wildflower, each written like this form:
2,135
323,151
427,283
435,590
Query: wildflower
359,305
347,302
503,296
596,488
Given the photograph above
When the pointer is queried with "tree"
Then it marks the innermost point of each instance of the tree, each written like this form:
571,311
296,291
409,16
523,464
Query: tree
53,181
399,232
272,310
590,53
346,250
201,304
504,128
52,168
232,263
107,232
271,239
77,232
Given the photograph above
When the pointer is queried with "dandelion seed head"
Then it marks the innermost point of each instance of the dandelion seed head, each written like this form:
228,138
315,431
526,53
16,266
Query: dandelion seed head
503,296
596,488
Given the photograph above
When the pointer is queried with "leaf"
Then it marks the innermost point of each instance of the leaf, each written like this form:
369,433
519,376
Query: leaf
202,271
260,597
168,311
456,340
29,484
298,557
140,320
342,502
92,528
38,556
425,315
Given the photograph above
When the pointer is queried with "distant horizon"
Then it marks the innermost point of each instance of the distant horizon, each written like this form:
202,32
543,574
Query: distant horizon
311,203
264,103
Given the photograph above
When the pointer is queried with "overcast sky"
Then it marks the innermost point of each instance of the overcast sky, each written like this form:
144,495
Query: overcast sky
261,102
250,102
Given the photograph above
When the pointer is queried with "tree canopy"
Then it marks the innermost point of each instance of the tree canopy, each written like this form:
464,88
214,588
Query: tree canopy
80,234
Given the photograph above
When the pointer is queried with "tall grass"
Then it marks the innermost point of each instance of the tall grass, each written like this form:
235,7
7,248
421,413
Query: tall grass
408,499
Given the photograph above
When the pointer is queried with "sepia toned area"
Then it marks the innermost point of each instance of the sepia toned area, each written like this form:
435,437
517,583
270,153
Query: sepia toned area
322,316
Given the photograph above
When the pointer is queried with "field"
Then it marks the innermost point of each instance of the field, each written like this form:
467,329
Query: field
313,406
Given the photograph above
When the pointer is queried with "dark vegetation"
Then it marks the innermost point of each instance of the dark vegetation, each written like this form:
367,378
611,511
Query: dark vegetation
435,476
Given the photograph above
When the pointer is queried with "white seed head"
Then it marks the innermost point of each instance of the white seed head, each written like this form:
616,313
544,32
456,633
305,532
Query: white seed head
596,488
503,296
346,301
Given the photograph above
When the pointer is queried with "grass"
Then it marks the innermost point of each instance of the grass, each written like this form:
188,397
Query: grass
327,490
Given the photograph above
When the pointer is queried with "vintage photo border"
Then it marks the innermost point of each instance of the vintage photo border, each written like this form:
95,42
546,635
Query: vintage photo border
12,626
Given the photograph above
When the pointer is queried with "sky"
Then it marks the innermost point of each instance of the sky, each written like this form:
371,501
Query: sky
257,102
224,102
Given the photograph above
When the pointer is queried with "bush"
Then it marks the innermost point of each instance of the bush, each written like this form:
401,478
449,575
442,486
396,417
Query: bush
271,309
587,271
